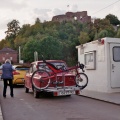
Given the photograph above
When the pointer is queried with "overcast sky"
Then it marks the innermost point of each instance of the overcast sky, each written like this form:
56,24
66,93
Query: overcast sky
26,11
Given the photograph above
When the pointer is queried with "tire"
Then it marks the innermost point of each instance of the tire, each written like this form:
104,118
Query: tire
40,80
26,90
36,93
81,80
14,85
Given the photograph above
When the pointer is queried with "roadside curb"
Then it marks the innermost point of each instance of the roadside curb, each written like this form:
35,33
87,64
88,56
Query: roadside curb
100,99
1,116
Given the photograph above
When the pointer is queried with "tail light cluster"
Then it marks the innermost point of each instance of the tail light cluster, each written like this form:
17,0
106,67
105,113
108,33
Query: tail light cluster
15,72
101,41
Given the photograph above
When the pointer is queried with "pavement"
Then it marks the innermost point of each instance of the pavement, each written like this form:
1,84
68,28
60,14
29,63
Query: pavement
1,117
113,98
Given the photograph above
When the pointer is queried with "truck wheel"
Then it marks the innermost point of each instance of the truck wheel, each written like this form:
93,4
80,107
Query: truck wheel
36,94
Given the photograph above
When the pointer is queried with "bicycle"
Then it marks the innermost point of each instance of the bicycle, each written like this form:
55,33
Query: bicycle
42,78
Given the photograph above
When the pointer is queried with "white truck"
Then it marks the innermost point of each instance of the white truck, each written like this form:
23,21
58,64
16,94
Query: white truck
102,64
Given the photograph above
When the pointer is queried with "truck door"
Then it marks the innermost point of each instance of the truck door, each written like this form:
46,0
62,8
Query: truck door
115,65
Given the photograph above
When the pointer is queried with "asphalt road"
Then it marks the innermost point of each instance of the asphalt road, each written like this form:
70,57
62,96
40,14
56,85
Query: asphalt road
25,107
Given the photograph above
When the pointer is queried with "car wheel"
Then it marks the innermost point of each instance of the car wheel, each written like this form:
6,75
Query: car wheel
14,85
26,90
36,94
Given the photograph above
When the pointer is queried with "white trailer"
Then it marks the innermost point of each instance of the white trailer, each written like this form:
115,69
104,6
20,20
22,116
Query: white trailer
102,64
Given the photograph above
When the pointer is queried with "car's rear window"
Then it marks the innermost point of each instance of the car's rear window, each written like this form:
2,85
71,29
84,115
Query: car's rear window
56,64
22,68
59,64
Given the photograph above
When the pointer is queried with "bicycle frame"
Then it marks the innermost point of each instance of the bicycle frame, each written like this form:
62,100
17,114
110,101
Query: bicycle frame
57,71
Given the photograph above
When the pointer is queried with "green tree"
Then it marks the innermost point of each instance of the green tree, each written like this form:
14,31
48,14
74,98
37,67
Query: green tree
4,43
118,33
12,31
103,24
113,19
37,27
28,51
13,28
25,31
84,37
51,48
103,33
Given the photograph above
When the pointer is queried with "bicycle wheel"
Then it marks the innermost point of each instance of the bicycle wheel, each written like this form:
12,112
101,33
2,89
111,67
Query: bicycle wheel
81,80
40,79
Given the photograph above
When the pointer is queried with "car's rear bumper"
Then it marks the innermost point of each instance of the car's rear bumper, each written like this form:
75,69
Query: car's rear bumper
18,81
63,91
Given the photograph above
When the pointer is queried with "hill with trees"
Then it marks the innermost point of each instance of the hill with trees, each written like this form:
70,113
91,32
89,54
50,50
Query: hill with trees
57,40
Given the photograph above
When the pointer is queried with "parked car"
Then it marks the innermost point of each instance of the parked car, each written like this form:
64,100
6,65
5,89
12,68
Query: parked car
60,84
19,74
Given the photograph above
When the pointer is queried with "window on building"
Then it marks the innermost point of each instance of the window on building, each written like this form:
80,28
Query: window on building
116,54
90,60
80,17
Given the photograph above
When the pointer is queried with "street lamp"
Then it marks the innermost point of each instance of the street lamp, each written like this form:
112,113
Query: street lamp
35,56
118,27
19,54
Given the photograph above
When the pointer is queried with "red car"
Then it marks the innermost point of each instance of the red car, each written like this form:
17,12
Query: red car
40,78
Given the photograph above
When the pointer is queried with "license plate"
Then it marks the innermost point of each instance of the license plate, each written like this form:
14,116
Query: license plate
69,92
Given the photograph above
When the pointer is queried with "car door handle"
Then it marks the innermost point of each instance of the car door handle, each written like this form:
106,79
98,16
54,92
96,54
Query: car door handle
113,66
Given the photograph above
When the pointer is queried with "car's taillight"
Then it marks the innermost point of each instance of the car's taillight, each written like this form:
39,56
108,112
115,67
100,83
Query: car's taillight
55,93
15,73
77,92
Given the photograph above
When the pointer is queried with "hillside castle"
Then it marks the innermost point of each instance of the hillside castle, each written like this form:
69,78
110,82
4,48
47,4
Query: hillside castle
72,16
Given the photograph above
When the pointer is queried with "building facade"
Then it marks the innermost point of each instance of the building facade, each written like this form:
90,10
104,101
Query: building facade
70,16
8,53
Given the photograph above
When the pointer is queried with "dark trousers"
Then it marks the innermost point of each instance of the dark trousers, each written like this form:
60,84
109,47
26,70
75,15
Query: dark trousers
5,86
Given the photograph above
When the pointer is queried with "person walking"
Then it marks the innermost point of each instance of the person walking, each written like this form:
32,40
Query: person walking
7,76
